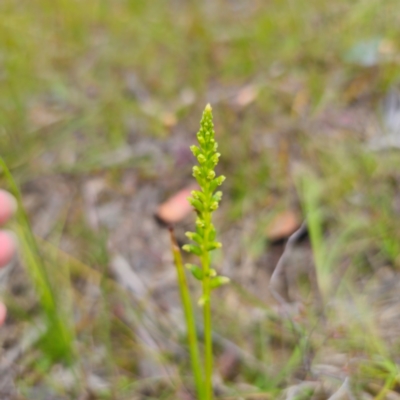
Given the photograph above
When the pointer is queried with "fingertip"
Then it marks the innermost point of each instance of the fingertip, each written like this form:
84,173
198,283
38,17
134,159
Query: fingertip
3,313
8,246
8,206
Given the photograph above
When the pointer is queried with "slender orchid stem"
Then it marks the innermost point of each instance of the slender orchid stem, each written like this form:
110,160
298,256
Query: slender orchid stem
189,318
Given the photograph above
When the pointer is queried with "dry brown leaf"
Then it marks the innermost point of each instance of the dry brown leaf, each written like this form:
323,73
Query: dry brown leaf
41,116
283,225
169,120
176,208
246,95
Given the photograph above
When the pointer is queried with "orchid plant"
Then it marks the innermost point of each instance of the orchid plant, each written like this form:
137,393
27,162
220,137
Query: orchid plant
205,201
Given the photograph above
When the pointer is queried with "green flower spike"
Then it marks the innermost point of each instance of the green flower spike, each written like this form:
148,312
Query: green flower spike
205,201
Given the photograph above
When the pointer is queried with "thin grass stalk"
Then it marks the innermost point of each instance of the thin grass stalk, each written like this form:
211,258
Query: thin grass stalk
189,319
58,341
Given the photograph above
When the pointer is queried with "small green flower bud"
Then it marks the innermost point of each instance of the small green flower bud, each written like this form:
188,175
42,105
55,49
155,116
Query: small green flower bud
213,206
196,194
190,248
201,159
213,246
215,158
220,180
199,223
219,281
217,196
195,237
216,182
203,300
196,271
196,172
195,150
197,204
210,175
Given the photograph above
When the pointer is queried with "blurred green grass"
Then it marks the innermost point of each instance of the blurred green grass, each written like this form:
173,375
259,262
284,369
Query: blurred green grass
79,79
78,56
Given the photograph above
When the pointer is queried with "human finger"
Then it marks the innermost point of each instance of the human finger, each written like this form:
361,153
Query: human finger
3,313
8,206
7,248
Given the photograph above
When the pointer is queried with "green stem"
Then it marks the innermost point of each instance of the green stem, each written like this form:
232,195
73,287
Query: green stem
208,359
189,319
208,338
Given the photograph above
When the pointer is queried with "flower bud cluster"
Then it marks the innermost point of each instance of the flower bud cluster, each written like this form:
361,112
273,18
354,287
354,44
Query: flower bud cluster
205,200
